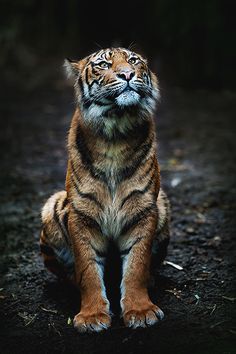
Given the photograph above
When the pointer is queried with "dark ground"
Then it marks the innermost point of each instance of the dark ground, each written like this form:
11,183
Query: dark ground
196,148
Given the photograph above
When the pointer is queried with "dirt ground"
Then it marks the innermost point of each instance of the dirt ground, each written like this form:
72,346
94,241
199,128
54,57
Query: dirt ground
197,157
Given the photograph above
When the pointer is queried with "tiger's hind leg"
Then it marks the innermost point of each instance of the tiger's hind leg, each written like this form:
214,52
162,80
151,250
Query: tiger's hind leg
54,239
161,241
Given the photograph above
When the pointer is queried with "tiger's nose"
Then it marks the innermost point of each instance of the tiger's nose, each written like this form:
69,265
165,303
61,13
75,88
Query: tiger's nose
126,75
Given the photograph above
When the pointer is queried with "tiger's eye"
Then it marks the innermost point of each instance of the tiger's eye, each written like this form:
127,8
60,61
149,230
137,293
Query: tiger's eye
103,65
133,60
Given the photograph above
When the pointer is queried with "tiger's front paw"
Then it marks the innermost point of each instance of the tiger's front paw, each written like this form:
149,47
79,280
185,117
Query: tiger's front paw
143,317
94,322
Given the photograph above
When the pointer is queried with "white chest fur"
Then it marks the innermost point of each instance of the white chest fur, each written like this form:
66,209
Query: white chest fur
112,218
111,221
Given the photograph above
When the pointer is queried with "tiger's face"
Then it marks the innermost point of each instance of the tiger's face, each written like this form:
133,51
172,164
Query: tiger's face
112,82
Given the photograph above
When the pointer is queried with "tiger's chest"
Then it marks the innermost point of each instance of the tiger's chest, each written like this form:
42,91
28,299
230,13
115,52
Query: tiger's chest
112,221
111,161
112,217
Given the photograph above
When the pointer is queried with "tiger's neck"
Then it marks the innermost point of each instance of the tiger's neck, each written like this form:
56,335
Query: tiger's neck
114,130
107,150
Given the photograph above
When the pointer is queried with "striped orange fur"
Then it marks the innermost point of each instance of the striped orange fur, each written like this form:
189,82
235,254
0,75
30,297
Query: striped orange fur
112,189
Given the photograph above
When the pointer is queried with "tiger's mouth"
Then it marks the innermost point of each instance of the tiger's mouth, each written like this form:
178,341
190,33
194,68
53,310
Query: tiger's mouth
129,88
129,96
120,97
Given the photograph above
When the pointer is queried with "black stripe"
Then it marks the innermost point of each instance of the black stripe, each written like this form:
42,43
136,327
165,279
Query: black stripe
85,153
64,204
94,69
47,250
86,76
98,174
57,220
65,221
87,220
136,218
99,253
98,262
89,196
86,156
93,64
81,86
125,252
128,171
92,83
87,103
101,81
150,168
138,191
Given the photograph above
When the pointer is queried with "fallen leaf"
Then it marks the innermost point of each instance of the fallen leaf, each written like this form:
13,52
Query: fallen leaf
232,299
48,310
190,230
218,323
28,318
176,266
213,309
175,182
198,298
175,292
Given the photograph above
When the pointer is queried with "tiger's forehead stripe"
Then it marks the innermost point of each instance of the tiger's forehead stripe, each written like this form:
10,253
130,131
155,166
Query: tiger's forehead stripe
106,54
110,53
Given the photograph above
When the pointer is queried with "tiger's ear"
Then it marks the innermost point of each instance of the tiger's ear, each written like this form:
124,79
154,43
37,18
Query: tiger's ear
72,68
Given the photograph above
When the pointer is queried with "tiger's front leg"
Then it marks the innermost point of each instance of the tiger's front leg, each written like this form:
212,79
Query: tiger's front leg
137,308
94,314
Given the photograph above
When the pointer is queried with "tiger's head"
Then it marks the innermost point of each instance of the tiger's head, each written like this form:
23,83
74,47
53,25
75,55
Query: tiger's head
113,82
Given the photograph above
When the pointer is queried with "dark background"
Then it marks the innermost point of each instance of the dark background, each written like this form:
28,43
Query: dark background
190,43
191,46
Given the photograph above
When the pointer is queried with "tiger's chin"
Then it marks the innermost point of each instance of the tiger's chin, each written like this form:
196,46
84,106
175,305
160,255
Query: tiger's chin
128,103
127,99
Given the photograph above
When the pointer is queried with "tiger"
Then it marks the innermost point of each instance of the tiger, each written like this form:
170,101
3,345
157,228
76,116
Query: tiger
112,190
